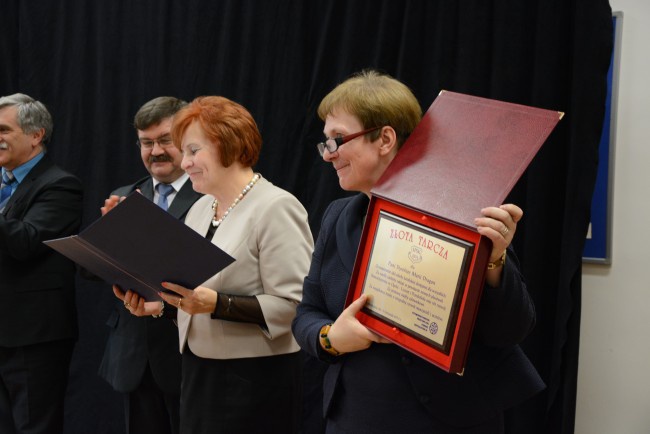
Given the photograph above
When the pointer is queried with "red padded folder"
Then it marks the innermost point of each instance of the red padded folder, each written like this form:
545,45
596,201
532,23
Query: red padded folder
420,258
467,153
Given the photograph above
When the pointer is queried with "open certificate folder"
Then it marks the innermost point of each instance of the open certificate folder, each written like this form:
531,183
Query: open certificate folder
138,246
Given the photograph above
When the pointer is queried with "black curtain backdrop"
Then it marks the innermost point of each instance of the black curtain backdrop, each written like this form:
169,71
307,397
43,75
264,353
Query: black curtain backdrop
94,63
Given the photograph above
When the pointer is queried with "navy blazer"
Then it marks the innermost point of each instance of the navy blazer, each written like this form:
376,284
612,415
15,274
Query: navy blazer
388,389
37,283
134,342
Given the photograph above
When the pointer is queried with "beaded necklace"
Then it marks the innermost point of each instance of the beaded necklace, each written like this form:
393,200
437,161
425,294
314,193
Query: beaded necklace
216,222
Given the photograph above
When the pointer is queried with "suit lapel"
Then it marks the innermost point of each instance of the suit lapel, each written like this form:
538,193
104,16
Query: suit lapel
146,188
348,229
26,185
183,201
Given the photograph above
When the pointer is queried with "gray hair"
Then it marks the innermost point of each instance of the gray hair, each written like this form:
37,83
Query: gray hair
155,111
32,115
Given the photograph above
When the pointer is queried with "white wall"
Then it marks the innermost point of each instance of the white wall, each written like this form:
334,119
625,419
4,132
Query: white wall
614,370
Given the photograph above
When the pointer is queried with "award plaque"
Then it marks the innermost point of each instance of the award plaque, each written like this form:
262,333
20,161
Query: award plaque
421,260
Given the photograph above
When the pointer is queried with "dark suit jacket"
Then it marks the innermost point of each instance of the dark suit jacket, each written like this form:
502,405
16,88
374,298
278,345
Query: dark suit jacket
37,283
133,342
364,390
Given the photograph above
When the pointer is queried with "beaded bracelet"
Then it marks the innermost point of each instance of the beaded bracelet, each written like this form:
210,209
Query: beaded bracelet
325,340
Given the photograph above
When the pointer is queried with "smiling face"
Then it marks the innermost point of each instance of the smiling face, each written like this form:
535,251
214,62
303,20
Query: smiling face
201,160
16,146
360,162
164,164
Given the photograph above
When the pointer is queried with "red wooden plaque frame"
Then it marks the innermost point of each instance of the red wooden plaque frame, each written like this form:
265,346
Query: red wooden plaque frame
450,356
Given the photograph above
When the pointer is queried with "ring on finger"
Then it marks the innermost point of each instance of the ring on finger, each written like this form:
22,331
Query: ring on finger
179,302
505,230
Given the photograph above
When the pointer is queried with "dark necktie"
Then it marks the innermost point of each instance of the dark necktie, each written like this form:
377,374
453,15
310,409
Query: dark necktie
5,188
164,190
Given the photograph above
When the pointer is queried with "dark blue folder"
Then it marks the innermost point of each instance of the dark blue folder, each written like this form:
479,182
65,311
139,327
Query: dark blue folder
137,246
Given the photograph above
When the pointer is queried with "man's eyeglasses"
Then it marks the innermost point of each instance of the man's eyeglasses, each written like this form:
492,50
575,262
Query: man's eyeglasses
332,144
164,142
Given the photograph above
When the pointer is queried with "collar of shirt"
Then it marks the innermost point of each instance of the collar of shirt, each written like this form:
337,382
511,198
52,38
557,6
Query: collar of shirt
178,184
21,171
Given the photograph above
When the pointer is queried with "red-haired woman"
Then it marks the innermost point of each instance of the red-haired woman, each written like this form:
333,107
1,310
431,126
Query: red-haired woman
240,361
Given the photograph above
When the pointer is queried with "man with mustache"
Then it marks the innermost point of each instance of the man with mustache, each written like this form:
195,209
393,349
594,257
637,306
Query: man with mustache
38,319
141,357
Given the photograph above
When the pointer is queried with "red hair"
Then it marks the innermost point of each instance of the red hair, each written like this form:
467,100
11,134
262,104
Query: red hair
227,124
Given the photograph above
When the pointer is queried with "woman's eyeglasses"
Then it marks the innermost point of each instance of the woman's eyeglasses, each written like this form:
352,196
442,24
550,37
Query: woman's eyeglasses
332,144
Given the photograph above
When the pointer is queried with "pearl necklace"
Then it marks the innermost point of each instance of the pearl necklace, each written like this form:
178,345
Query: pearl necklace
216,222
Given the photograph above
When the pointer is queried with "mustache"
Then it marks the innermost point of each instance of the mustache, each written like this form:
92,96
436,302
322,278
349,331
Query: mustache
164,158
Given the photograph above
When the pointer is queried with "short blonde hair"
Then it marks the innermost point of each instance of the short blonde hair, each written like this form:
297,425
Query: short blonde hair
377,100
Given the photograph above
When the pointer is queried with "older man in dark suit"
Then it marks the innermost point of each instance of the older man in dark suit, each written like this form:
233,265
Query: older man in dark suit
38,322
141,357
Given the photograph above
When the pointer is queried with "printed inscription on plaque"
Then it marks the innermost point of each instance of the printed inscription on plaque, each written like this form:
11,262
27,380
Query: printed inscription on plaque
415,278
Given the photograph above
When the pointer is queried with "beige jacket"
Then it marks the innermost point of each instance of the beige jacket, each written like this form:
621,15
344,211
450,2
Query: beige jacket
268,235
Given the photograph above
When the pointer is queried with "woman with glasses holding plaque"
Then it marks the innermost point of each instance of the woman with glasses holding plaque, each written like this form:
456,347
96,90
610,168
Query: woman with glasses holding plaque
371,385
240,362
